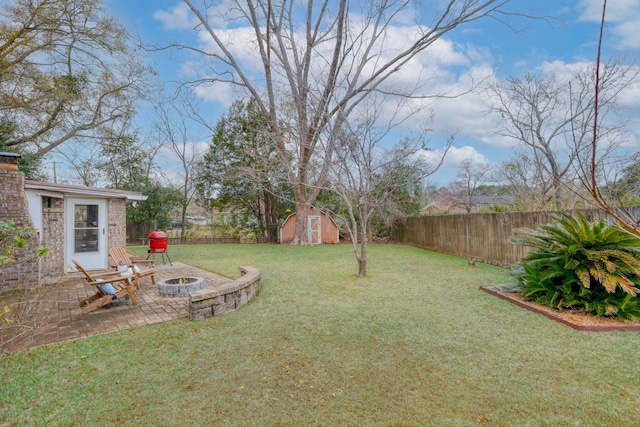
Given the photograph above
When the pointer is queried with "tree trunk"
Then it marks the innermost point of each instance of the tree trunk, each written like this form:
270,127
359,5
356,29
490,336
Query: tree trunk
262,221
302,226
362,259
269,219
557,194
272,220
183,227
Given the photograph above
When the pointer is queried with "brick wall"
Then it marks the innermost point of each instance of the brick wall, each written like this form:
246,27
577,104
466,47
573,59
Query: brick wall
53,236
14,206
117,220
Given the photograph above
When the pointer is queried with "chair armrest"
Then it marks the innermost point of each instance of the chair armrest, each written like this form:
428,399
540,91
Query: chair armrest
114,274
149,263
118,279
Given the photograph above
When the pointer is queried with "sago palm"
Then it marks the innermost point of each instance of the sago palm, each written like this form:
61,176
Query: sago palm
577,264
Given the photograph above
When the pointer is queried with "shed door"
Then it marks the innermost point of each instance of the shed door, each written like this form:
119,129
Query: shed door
86,232
315,231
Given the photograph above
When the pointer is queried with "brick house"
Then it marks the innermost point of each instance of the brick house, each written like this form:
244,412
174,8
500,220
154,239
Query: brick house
73,221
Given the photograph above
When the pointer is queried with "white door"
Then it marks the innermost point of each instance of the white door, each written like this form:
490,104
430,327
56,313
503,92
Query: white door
86,232
314,230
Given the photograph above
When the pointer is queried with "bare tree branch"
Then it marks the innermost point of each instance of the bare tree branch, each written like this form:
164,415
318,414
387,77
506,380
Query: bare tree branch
318,62
591,179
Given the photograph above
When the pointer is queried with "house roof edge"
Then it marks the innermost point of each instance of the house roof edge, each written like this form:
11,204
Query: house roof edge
109,193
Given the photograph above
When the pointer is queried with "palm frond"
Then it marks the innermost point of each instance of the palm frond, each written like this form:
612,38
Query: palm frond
584,276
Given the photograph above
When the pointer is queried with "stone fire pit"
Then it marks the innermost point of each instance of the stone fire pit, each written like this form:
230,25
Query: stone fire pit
179,286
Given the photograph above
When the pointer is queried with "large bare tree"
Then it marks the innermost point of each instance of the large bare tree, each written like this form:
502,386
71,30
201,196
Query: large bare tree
549,116
309,64
66,69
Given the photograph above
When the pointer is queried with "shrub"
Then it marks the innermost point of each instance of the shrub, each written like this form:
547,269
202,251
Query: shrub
12,239
23,307
591,267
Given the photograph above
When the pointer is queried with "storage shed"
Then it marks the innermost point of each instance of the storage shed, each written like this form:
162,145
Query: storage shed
321,228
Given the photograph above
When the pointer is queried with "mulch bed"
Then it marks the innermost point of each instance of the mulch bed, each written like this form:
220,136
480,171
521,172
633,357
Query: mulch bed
576,320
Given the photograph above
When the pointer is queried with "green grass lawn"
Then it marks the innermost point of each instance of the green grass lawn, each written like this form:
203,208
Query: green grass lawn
414,343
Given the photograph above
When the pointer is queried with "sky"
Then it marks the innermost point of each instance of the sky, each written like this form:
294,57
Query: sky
568,36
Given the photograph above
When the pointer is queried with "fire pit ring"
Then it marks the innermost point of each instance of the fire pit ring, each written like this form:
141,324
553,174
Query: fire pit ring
179,286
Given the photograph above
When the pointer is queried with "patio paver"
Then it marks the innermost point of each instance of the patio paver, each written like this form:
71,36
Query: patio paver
66,321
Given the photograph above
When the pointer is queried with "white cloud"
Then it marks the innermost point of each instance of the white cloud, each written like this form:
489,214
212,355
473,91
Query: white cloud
467,114
453,161
180,17
240,42
628,100
630,96
217,93
623,15
617,10
177,18
454,157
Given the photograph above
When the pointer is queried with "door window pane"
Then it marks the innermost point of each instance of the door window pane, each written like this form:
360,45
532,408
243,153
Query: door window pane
86,228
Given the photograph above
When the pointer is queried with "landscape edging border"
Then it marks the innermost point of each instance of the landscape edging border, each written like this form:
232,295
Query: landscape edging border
493,290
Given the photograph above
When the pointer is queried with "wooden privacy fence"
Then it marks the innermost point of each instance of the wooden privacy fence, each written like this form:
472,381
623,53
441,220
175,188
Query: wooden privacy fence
483,237
136,231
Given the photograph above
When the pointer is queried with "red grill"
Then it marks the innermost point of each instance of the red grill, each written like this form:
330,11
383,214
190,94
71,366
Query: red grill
158,243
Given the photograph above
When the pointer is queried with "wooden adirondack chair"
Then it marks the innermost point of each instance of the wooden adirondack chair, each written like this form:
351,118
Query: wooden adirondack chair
120,257
121,284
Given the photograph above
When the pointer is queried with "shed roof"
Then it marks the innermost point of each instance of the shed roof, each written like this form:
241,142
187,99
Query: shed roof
293,214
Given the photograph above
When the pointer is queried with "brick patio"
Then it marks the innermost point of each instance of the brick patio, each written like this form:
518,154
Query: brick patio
66,321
